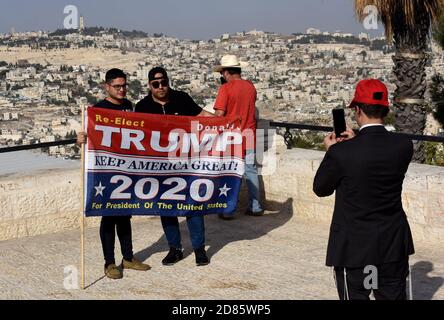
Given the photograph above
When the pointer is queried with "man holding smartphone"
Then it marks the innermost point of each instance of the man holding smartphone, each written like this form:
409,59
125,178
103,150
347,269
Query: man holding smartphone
369,229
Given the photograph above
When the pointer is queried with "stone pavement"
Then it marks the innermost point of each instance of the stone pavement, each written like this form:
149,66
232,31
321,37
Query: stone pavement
277,256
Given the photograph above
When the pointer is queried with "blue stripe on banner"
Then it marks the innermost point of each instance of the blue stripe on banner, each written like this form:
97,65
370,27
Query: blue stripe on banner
114,194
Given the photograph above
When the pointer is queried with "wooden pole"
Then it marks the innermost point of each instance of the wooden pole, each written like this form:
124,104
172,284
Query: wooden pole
82,213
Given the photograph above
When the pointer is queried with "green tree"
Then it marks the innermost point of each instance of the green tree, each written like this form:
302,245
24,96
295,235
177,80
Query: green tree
434,153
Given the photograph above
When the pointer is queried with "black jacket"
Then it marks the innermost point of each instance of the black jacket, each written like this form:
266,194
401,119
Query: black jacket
180,103
369,225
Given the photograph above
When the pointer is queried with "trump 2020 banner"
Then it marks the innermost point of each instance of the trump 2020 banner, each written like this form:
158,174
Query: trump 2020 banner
145,164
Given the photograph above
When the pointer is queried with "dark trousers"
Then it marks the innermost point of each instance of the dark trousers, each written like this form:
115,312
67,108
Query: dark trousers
108,227
196,226
390,284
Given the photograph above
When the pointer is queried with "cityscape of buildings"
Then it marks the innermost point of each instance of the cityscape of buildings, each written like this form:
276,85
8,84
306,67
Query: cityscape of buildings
46,78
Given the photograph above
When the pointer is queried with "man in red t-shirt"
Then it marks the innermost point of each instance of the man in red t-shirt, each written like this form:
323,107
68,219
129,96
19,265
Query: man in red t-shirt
238,97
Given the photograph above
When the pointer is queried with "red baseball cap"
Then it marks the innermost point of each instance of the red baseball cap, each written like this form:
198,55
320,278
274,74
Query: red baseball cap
371,91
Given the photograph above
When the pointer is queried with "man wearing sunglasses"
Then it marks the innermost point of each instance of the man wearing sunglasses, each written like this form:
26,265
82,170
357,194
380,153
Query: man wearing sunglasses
164,100
115,86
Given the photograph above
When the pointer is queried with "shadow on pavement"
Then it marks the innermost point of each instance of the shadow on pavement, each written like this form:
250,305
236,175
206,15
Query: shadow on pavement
424,286
219,233
94,282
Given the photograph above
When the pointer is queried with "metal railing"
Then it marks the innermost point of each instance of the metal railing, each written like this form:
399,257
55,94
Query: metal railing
38,145
288,136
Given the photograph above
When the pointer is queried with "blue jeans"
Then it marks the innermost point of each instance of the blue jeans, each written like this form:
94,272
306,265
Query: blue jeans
196,227
252,181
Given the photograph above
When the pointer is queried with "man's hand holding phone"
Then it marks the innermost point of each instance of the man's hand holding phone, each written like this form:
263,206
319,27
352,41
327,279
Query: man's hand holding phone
332,139
346,135
341,131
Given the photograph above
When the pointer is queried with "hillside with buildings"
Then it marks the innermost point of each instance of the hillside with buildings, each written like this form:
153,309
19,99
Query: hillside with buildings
45,78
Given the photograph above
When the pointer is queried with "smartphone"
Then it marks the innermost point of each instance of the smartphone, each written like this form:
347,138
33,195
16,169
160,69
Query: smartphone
339,121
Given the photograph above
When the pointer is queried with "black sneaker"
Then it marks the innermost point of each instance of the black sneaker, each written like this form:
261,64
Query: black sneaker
254,214
226,217
173,256
201,257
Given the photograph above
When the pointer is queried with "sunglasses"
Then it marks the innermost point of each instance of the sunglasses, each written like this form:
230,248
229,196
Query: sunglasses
156,84
119,87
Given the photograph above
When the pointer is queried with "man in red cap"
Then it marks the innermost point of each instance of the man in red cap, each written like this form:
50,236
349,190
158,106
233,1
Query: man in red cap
370,239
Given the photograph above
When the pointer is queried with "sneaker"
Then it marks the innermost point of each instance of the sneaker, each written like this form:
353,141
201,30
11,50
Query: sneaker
225,216
135,265
173,256
113,272
254,214
201,257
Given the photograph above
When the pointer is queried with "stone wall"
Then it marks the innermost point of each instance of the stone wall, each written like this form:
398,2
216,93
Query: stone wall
49,201
423,192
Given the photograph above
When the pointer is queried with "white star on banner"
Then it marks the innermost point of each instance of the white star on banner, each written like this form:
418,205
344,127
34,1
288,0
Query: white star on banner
99,189
224,190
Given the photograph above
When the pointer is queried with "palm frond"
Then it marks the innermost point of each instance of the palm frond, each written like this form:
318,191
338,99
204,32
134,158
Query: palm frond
408,13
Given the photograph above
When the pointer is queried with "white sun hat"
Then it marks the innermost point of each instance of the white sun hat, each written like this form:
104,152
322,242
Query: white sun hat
230,61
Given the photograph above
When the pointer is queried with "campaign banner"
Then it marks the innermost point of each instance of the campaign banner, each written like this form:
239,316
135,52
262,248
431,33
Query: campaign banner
146,164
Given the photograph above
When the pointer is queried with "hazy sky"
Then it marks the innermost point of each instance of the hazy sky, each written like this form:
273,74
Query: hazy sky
192,19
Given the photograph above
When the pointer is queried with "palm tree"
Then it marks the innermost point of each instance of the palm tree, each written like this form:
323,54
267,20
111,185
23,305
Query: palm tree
407,24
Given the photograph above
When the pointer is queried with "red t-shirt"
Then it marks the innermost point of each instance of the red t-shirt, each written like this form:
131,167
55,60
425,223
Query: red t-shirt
238,98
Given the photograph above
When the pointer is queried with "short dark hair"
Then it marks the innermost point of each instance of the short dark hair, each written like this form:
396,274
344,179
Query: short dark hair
233,70
114,74
374,111
156,70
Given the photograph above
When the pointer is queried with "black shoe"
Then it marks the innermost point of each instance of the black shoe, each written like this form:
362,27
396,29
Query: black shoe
225,217
254,214
173,256
201,257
